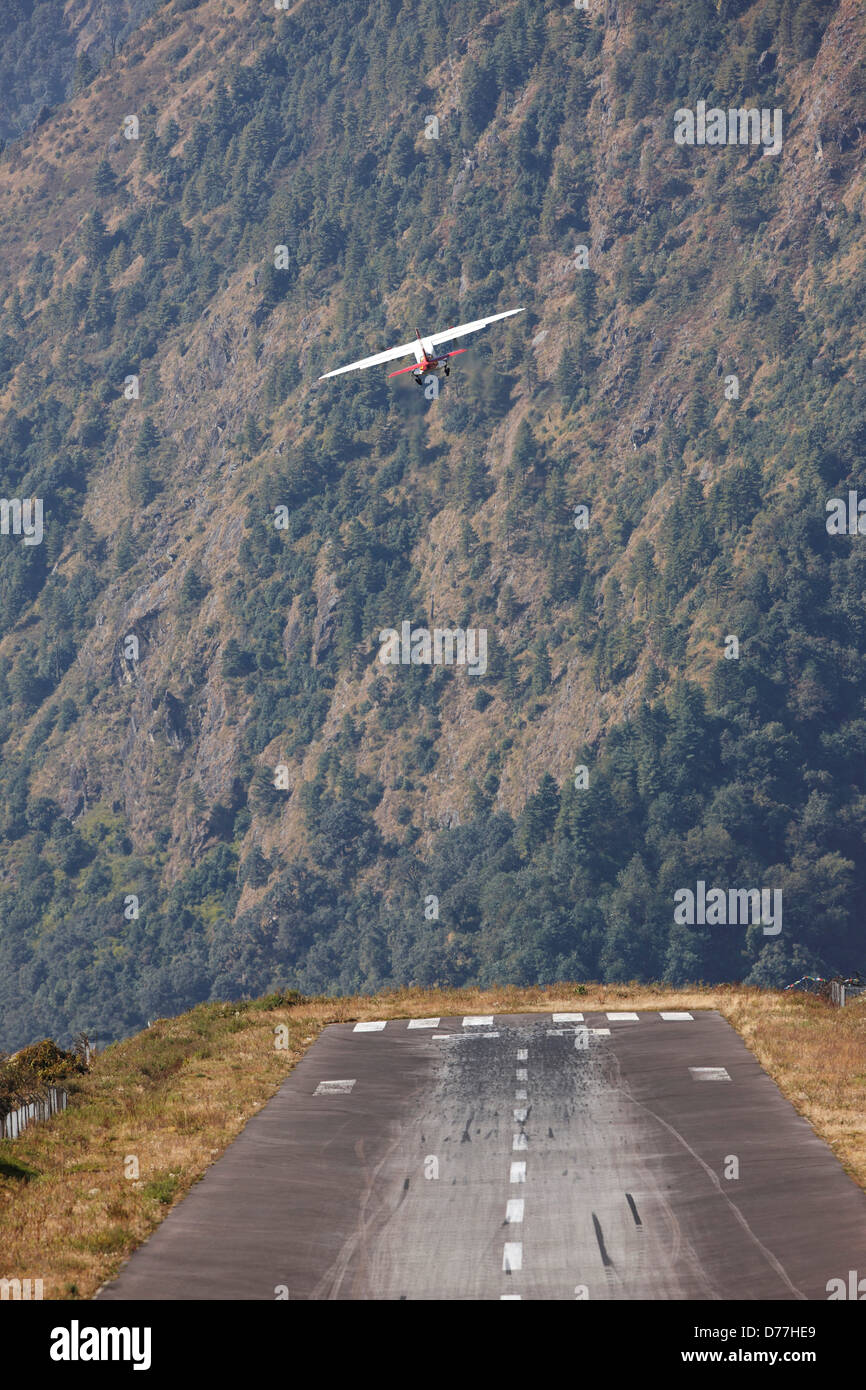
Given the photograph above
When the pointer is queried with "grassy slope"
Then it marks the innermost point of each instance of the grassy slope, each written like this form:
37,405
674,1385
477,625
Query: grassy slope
177,1094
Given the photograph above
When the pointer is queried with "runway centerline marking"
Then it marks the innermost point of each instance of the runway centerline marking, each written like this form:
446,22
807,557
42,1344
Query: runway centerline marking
333,1088
521,1114
522,1074
622,1018
677,1018
514,1211
479,1021
520,1141
522,1054
368,1027
520,1094
568,1018
518,1172
423,1023
709,1074
512,1256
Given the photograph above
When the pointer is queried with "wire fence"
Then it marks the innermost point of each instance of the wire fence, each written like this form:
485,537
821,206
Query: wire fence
14,1121
841,991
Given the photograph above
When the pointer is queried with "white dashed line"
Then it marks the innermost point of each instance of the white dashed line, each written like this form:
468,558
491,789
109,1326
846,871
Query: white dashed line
522,1074
518,1172
522,1054
568,1018
520,1094
368,1027
520,1115
709,1074
445,1035
512,1256
514,1211
423,1022
520,1141
622,1018
678,1018
333,1088
482,1021
600,1032
565,1032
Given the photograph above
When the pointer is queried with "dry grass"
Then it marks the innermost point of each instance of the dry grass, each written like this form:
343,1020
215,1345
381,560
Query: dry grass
176,1095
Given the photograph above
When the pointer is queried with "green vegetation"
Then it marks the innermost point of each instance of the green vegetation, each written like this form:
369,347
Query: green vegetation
153,777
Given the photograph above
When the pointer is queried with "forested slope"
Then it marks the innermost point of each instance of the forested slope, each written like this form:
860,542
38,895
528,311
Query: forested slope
49,51
428,825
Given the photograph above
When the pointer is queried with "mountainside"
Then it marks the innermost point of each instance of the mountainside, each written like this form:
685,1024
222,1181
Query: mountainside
48,51
211,785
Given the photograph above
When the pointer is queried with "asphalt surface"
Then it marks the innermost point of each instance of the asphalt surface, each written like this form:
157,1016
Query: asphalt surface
528,1157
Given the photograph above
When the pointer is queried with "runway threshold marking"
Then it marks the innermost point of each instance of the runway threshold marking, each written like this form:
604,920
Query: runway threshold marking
488,1020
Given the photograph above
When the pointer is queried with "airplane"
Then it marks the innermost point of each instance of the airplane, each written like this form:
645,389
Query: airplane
424,351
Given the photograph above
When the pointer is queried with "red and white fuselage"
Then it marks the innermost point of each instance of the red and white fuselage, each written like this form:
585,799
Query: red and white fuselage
426,359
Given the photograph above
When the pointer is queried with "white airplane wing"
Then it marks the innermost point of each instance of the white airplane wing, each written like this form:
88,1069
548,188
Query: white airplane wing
411,349
465,328
405,350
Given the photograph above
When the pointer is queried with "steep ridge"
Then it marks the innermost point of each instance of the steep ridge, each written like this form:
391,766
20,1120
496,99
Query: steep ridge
169,652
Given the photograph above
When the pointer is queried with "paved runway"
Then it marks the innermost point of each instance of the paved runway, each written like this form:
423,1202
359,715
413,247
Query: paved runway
534,1156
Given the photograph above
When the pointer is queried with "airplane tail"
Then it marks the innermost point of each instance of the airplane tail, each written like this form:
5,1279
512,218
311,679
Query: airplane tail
425,349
